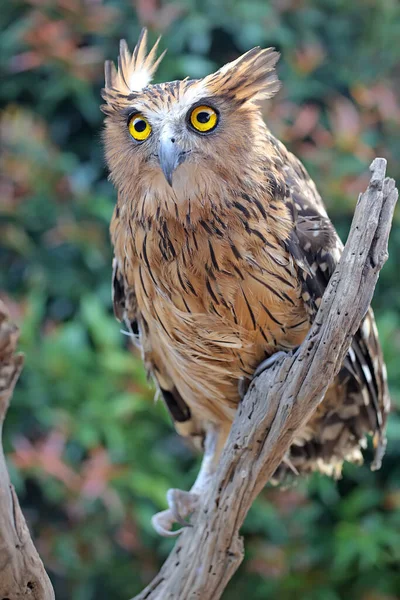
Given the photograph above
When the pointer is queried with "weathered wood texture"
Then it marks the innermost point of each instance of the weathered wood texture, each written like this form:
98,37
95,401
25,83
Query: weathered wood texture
277,404
22,574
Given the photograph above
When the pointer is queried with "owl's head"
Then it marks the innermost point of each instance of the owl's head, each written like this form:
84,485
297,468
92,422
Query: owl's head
182,132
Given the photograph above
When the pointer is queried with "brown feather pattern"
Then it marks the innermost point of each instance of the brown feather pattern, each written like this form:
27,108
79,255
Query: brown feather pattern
228,266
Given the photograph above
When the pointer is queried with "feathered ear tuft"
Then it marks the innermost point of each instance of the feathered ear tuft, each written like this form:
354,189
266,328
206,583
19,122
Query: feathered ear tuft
135,71
252,76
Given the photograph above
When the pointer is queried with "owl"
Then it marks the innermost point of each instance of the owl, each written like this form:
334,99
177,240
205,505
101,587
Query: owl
223,249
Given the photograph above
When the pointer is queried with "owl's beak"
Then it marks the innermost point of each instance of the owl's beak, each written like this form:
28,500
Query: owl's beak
170,156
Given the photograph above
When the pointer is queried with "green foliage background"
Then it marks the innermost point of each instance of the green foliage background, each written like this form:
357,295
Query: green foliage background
90,453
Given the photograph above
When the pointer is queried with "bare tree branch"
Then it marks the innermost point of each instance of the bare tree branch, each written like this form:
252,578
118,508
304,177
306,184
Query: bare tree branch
278,403
22,574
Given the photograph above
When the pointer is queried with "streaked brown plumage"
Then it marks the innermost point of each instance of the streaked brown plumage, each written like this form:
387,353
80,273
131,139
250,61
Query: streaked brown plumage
227,265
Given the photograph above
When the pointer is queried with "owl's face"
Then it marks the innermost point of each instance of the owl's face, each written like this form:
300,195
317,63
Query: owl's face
176,132
182,133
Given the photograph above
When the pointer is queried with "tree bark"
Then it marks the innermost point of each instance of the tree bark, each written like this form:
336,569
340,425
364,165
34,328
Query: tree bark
22,574
277,404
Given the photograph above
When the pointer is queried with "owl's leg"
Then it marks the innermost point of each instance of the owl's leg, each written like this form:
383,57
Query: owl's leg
182,504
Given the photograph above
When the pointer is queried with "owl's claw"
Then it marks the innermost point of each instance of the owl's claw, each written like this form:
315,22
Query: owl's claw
269,362
181,505
163,522
243,386
244,382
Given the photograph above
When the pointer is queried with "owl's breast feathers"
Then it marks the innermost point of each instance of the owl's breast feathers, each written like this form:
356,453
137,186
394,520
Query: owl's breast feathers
212,285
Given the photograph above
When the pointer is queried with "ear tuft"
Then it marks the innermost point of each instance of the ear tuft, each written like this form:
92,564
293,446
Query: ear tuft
251,77
135,71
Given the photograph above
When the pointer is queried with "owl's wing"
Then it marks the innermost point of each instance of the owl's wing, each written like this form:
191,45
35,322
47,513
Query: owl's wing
124,302
316,249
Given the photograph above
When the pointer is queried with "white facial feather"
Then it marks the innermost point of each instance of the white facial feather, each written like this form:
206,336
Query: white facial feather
139,80
169,116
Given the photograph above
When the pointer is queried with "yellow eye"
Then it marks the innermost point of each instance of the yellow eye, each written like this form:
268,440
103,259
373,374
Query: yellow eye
139,127
203,118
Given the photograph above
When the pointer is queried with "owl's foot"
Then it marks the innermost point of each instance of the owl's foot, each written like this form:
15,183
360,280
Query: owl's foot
181,505
243,386
244,382
269,362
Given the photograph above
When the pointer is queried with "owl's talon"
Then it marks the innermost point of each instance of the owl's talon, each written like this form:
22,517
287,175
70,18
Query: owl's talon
163,522
243,386
269,362
244,382
181,505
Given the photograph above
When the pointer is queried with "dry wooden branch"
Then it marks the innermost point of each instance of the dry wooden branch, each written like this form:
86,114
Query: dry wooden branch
22,574
277,404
